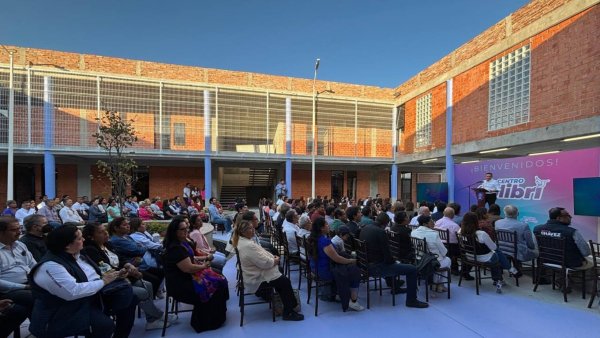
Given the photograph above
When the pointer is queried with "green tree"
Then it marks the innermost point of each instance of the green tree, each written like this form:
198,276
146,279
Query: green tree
115,134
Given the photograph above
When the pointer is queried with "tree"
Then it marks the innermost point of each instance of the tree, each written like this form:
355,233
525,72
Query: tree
115,135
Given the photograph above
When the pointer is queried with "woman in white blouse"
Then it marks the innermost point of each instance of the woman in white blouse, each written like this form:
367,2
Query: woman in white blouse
66,288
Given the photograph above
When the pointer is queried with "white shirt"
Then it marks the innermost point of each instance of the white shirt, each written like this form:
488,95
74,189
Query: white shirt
414,221
446,223
290,230
491,185
22,213
70,215
41,205
55,279
15,263
187,192
79,206
434,243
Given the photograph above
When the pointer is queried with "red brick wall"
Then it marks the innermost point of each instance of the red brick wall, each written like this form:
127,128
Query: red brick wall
363,184
438,122
383,183
100,184
66,180
564,59
301,183
168,182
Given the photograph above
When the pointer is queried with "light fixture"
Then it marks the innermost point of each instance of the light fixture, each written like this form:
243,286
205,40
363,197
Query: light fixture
493,150
545,153
465,162
581,137
429,160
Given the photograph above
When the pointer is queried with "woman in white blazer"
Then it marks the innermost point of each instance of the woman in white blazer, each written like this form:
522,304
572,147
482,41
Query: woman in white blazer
261,268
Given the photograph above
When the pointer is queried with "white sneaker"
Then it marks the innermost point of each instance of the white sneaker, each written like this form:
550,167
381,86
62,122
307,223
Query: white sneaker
499,285
513,270
157,324
355,306
172,318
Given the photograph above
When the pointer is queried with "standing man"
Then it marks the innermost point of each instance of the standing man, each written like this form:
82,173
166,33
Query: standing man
187,193
281,188
492,187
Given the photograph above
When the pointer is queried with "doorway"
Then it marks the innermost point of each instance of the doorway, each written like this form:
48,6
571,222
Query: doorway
337,184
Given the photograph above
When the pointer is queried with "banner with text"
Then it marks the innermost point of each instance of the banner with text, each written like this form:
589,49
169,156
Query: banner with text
534,184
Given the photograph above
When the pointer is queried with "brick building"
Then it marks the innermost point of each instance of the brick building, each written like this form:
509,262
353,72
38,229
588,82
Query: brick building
526,83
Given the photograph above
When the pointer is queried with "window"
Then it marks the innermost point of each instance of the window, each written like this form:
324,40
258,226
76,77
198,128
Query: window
179,134
509,89
423,121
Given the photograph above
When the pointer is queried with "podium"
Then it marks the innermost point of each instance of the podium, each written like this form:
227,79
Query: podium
480,194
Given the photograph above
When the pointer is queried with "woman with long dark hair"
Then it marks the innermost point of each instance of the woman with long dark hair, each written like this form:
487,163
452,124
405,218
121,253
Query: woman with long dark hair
344,271
67,291
486,250
191,281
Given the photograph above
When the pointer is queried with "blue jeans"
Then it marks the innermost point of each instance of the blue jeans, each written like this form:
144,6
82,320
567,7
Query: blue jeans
389,271
225,221
497,263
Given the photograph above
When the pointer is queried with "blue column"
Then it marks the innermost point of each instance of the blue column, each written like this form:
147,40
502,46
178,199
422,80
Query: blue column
394,183
207,147
49,163
288,145
394,180
449,158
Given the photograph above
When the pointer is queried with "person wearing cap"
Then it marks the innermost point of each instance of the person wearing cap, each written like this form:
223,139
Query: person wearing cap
435,246
343,233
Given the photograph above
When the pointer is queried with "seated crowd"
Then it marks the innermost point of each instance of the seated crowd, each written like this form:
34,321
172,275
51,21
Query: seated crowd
82,268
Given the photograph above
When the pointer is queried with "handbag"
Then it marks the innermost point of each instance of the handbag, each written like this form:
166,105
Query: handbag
427,264
115,286
278,305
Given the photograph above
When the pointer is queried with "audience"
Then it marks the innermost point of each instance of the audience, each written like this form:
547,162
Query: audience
406,252
486,249
577,250
217,259
15,264
382,264
435,246
35,226
526,246
291,230
329,265
217,216
26,210
447,223
68,215
191,281
97,248
50,213
68,292
261,269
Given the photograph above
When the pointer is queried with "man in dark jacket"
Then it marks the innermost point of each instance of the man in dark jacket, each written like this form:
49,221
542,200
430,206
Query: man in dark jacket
382,264
577,250
34,235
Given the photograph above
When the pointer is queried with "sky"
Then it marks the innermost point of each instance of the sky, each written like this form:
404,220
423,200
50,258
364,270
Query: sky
379,43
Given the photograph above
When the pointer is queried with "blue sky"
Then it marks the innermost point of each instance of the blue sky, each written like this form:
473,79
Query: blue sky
381,43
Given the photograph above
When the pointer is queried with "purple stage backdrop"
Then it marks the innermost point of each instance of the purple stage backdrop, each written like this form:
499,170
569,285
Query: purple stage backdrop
534,184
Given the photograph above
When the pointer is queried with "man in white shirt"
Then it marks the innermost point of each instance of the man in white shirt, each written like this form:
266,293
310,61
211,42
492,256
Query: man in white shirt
423,211
434,244
291,229
15,264
187,192
25,211
80,208
68,215
447,223
492,186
